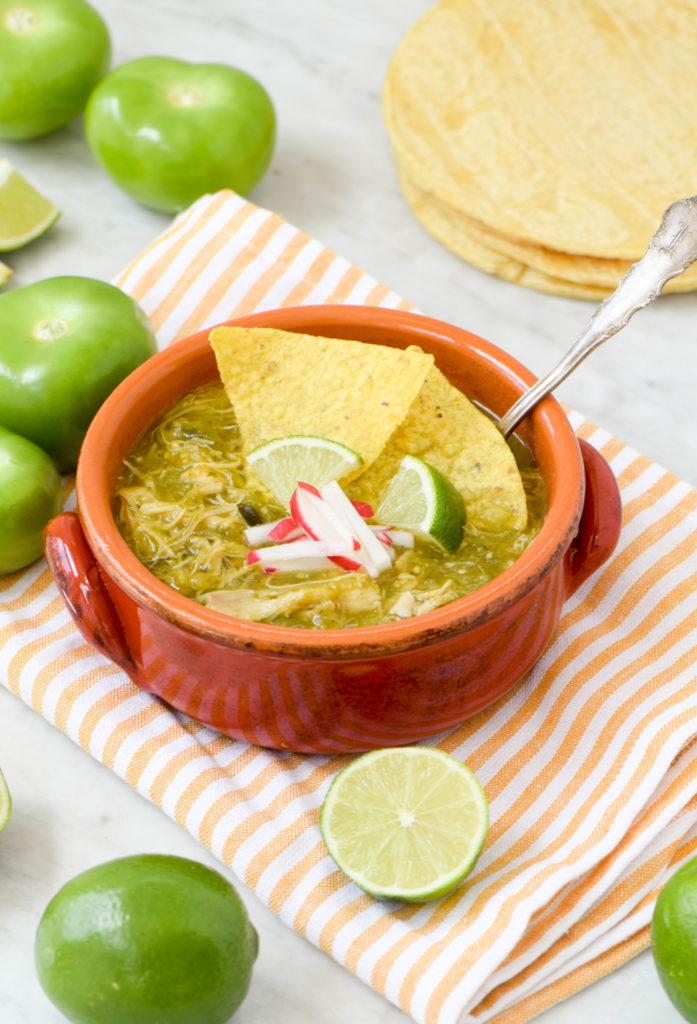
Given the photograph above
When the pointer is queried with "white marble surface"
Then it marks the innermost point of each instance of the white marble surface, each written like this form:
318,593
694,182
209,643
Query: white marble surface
332,175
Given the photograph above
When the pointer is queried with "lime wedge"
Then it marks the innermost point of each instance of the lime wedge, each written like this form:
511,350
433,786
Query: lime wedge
24,213
421,499
5,802
5,274
406,823
282,463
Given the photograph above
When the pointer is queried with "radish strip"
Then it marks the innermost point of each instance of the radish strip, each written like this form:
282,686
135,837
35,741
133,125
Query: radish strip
364,509
312,563
285,529
298,549
401,538
318,519
380,558
259,534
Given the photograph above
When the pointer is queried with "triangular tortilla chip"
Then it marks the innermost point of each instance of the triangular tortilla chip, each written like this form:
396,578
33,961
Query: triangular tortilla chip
446,430
281,383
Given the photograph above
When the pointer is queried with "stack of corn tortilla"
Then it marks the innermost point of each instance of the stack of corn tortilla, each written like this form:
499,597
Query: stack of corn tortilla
542,142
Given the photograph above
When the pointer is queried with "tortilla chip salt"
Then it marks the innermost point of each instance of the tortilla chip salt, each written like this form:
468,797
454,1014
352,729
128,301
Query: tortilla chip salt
282,383
446,430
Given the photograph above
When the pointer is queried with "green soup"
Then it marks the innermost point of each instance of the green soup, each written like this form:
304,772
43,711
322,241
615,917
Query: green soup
185,498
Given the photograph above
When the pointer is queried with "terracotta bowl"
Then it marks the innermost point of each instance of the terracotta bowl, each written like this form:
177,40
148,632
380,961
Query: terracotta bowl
332,690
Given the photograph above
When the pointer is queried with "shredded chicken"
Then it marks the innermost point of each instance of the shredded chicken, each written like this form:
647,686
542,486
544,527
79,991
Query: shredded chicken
427,601
349,595
404,606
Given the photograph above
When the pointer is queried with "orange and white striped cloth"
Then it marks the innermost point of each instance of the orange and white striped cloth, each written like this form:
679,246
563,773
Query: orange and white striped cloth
589,764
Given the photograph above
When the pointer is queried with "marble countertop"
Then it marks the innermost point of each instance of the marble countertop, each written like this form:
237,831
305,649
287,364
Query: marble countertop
332,176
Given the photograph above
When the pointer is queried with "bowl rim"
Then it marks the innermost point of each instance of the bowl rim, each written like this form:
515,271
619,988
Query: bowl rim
122,566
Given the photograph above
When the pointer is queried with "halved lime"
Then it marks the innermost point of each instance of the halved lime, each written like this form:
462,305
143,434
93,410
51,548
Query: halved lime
5,274
5,802
421,499
405,823
24,213
282,463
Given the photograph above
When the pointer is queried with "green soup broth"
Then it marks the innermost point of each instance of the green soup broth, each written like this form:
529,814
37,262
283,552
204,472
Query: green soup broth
185,497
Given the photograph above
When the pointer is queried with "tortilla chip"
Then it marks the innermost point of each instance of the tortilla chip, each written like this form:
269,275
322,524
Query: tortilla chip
446,430
281,383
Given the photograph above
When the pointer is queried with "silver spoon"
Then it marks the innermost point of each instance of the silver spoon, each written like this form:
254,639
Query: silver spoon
671,251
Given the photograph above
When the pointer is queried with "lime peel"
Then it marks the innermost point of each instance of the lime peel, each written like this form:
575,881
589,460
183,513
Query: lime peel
405,823
421,499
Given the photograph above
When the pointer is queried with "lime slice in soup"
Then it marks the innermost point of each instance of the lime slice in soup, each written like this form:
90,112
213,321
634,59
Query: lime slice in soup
282,463
406,823
24,213
5,802
423,500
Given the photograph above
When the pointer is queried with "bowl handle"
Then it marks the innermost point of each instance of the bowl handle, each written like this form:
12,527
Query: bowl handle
601,520
80,583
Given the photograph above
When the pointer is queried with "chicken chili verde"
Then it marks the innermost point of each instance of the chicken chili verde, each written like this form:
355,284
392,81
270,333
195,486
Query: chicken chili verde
326,484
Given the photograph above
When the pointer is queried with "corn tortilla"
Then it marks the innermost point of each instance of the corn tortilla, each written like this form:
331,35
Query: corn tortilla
533,265
436,219
567,126
281,383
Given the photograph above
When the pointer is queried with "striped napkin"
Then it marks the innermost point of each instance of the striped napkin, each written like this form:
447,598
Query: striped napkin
589,764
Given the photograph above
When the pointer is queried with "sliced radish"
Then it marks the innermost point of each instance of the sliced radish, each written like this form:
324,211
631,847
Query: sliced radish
390,535
263,533
285,529
401,538
310,563
317,518
364,509
376,558
298,555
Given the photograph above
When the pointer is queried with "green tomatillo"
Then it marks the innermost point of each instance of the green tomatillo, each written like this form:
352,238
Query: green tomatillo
30,495
52,54
168,131
65,343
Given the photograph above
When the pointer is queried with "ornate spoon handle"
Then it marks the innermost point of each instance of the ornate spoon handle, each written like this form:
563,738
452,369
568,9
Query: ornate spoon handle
671,251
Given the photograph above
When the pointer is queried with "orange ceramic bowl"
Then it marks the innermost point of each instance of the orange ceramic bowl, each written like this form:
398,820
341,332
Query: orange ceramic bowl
332,690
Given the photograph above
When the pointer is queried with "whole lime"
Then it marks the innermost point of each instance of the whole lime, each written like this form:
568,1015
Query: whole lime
674,939
146,939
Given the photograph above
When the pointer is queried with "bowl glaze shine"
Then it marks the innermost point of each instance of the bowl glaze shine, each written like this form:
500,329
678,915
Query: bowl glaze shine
332,690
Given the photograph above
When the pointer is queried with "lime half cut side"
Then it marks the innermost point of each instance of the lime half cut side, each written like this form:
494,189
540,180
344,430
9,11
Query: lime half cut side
5,802
406,823
24,213
421,499
282,463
